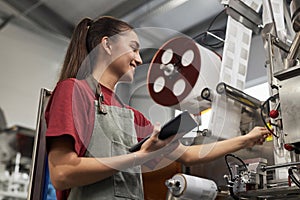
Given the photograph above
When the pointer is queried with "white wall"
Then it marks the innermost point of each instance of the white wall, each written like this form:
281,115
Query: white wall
28,62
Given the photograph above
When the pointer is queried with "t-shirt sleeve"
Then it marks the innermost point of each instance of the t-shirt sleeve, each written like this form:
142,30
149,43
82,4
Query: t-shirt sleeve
59,113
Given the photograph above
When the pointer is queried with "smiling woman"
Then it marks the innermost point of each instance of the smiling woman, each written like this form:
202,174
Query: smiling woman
124,51
90,130
88,126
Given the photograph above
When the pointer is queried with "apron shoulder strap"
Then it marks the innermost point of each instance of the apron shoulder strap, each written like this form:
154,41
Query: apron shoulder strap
96,88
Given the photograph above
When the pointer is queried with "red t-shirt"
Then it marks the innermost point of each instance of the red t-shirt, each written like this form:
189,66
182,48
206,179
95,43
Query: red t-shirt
71,111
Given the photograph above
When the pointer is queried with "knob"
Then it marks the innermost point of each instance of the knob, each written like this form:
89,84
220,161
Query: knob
274,114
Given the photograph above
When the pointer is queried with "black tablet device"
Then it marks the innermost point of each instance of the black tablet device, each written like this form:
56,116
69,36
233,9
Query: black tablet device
181,124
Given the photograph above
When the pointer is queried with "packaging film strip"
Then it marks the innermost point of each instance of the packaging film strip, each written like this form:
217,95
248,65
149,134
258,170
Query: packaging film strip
233,72
278,12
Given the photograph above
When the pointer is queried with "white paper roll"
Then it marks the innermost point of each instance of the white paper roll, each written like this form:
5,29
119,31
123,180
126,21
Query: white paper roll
191,187
178,73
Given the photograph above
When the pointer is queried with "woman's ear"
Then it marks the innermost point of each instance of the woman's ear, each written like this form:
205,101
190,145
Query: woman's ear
106,45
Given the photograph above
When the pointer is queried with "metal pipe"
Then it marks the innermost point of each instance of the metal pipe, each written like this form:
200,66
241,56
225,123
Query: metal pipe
273,18
294,47
271,61
293,51
235,94
215,36
295,11
266,168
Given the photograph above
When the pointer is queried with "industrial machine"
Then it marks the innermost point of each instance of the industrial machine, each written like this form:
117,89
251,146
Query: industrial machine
15,149
186,76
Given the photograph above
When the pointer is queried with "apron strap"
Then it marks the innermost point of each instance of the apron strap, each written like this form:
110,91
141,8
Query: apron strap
96,87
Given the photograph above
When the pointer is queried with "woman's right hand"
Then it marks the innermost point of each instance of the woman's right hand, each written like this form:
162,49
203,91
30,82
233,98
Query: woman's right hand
156,146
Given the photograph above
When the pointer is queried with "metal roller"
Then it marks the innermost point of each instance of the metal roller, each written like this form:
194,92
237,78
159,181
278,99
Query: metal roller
235,94
192,187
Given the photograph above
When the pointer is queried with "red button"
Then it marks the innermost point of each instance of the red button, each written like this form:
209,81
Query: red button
274,114
288,147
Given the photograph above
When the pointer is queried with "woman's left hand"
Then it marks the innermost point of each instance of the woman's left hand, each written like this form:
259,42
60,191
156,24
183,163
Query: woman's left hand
257,135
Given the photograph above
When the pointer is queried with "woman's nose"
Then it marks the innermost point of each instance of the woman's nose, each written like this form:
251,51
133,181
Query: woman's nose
138,59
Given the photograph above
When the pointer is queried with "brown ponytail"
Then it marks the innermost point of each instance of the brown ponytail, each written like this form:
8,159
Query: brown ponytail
86,36
76,52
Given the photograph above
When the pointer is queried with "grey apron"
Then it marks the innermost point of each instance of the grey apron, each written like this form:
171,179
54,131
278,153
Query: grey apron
113,135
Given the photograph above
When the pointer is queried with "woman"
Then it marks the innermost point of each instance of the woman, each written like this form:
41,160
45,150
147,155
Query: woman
90,129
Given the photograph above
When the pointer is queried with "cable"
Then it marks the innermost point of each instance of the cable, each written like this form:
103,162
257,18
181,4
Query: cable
262,116
229,169
203,37
214,19
292,176
235,197
231,155
232,194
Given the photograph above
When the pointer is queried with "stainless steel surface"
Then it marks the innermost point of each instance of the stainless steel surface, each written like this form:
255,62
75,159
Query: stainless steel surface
245,10
294,47
280,165
280,44
249,119
289,94
270,57
278,193
37,172
216,169
293,52
272,16
275,51
245,21
288,73
250,178
271,183
243,13
295,11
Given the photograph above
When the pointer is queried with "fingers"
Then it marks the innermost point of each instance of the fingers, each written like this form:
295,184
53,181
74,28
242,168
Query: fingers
265,130
155,145
156,129
263,134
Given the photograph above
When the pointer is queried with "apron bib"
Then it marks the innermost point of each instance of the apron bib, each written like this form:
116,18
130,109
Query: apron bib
113,135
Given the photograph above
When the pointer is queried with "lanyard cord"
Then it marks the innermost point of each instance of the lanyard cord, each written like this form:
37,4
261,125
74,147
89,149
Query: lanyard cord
96,87
100,98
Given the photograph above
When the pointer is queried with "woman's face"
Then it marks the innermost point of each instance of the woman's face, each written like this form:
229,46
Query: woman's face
125,55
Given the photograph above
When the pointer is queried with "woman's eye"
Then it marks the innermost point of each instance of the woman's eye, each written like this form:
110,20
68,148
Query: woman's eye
135,49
